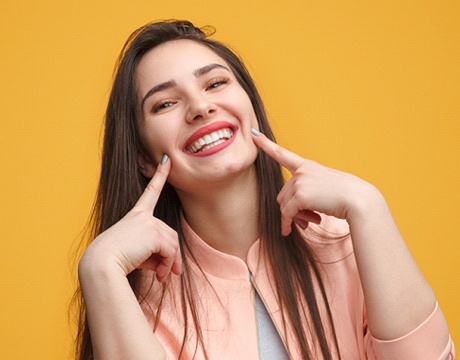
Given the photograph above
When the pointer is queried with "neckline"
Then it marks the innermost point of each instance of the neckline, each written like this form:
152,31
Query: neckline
219,264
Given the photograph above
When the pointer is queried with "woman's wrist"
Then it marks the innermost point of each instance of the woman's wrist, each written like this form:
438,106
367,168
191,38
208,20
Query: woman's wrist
368,203
94,267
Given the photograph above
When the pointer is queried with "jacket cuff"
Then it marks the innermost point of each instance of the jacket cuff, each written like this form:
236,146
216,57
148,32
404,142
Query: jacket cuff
429,341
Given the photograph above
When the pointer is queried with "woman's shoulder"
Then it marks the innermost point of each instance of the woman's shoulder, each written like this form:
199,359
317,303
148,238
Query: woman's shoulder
330,240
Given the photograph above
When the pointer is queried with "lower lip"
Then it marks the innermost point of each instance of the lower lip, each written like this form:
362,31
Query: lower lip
216,148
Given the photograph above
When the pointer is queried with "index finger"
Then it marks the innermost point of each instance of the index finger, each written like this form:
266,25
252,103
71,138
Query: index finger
284,157
150,196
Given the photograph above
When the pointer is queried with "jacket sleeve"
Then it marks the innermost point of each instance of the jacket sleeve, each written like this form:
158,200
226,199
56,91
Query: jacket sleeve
429,341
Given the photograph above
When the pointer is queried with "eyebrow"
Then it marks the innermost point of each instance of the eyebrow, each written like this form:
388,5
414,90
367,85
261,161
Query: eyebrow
205,69
171,83
157,88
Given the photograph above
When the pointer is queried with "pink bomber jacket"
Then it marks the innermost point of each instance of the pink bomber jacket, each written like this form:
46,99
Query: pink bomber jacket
227,309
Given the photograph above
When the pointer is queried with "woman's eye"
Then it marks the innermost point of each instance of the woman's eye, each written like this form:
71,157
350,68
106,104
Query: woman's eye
163,105
215,83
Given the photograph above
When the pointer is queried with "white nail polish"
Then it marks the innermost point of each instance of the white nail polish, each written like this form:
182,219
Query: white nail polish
164,159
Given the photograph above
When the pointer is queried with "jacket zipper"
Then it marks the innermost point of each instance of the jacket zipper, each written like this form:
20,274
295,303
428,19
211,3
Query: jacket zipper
253,283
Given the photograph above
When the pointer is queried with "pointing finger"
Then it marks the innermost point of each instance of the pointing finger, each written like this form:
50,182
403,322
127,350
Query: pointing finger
284,157
150,196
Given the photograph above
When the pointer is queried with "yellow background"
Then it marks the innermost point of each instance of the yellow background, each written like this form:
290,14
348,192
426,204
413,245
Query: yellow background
369,87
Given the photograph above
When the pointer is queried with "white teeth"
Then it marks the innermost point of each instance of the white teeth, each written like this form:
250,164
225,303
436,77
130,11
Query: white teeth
212,145
210,140
214,136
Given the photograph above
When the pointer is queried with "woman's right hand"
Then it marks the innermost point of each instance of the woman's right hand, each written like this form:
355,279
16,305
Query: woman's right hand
138,240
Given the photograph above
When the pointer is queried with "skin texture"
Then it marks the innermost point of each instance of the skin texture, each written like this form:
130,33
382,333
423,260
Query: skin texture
219,190
171,116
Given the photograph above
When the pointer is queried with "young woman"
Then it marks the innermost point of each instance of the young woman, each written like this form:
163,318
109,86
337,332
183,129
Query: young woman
202,251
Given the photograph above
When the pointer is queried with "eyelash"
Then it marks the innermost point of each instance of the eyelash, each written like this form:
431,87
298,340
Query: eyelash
163,104
213,84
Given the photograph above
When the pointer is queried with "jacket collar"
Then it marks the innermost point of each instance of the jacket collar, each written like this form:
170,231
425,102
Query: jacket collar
217,263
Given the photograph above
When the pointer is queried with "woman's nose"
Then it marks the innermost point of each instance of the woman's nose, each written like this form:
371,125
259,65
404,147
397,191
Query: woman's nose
200,108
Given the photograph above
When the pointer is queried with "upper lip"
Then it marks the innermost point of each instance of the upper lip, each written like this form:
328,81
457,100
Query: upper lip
208,129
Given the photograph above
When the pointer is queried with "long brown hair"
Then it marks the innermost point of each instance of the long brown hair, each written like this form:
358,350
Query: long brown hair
121,184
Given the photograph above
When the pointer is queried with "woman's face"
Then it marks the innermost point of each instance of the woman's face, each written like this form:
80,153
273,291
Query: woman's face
193,109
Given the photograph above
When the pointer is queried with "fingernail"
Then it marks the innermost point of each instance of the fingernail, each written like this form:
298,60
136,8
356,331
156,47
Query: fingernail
164,158
255,132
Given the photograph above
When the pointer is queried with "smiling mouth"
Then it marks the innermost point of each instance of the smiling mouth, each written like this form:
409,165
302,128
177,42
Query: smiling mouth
209,140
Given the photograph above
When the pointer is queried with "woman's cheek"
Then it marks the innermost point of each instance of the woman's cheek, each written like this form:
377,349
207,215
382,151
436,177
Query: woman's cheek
158,141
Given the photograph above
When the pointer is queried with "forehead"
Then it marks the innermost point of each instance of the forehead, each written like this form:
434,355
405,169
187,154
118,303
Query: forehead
174,59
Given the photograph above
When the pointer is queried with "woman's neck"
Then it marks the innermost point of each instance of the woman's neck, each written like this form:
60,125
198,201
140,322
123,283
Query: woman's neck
226,216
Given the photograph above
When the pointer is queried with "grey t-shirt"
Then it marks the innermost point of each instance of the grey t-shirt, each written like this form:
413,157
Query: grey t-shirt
271,346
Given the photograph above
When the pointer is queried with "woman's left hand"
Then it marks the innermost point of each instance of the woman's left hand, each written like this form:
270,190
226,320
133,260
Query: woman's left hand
314,188
398,298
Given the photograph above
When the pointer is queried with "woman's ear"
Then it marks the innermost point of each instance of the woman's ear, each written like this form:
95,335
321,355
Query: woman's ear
146,166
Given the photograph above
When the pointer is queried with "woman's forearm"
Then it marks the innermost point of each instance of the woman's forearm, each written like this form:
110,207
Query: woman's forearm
118,327
397,296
